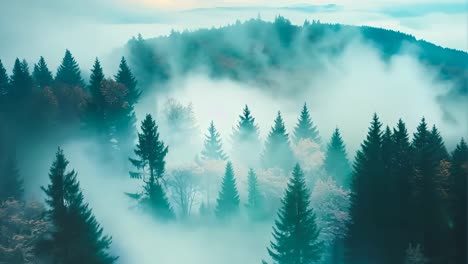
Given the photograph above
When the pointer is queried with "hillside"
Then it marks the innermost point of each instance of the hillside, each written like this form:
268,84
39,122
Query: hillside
258,51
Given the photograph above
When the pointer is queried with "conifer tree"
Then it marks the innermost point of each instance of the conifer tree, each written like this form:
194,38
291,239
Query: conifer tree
458,200
95,80
305,128
213,149
21,82
254,199
245,138
125,77
4,83
69,71
95,117
151,153
11,183
41,74
228,200
336,162
364,244
295,232
428,213
77,237
400,188
278,152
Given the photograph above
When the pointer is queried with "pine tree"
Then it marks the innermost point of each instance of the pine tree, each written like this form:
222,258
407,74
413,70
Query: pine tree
399,189
213,149
305,128
336,162
69,71
364,244
4,84
254,199
296,233
278,152
21,83
11,183
228,199
41,74
428,213
458,200
151,153
95,117
125,77
77,237
245,138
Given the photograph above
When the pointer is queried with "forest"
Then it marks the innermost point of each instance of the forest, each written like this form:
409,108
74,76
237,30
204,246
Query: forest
90,172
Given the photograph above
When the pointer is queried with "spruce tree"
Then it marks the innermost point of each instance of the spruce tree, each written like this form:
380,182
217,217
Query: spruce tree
429,224
400,188
278,152
41,74
21,83
295,232
364,244
458,200
213,149
336,162
69,72
76,237
228,200
4,84
125,77
254,199
95,80
95,118
151,153
305,128
245,138
11,183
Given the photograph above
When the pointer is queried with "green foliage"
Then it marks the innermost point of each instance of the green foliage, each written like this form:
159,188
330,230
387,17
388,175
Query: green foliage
458,200
295,232
125,77
213,149
77,237
21,83
245,137
278,152
151,153
336,161
228,201
305,128
69,72
41,74
255,203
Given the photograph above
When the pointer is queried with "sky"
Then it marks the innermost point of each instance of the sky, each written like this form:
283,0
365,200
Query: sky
91,28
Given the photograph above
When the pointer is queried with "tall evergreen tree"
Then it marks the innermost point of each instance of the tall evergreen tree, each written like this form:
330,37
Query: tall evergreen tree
364,244
95,117
213,149
336,162
278,152
399,189
69,71
228,200
295,232
21,82
95,80
41,74
428,213
254,199
305,128
245,138
151,153
458,200
125,77
4,83
11,183
77,237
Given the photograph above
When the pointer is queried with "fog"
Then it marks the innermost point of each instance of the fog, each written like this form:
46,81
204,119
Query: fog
345,93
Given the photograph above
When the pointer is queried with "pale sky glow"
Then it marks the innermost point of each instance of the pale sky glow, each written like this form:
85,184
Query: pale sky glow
98,26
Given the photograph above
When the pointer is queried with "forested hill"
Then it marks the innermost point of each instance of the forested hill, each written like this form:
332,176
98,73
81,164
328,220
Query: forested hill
256,50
